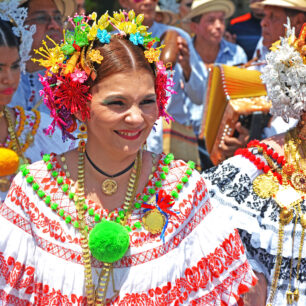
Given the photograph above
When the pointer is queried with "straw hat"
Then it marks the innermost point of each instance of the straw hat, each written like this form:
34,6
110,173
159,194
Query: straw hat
66,7
299,5
200,7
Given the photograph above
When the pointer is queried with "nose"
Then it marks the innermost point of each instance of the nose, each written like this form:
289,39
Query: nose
218,23
8,78
134,116
53,23
264,21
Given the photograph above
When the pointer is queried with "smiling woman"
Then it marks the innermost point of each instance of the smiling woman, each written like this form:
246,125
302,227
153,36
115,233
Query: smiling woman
111,223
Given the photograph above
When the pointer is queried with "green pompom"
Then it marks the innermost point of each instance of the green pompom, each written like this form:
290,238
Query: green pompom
46,157
108,241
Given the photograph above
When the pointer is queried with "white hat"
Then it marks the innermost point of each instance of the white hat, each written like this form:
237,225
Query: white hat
299,5
66,7
200,7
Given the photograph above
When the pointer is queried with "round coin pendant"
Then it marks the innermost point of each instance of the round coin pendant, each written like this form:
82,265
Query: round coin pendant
298,180
109,187
265,185
154,221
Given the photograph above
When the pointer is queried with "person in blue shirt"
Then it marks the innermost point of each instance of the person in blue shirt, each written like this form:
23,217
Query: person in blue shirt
188,77
208,23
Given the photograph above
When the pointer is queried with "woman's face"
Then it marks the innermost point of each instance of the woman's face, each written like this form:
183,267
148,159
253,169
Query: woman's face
123,111
9,73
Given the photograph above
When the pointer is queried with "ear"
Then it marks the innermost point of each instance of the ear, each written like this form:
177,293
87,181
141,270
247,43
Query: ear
297,21
124,4
194,27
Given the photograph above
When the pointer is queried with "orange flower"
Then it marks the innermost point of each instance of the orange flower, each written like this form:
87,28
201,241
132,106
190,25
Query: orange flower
9,162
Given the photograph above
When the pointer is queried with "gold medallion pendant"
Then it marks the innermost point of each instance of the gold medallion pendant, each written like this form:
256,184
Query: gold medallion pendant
265,185
298,180
109,187
154,221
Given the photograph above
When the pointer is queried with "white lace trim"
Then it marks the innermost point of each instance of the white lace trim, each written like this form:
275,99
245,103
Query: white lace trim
9,10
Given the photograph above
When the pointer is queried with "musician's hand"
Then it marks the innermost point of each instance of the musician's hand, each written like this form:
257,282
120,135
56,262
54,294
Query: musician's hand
184,57
230,37
231,144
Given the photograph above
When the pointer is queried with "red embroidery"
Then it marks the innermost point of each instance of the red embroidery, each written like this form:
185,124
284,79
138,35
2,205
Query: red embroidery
178,292
207,270
42,222
16,274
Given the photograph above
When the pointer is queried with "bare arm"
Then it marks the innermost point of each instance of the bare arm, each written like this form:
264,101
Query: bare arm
257,296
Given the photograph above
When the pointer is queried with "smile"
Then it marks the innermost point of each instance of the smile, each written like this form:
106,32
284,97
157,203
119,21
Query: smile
131,135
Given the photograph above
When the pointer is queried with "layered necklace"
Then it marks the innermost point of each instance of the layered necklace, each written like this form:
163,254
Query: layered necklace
109,186
108,241
13,145
284,180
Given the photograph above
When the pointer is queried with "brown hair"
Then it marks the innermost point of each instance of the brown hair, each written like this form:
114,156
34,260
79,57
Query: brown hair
120,55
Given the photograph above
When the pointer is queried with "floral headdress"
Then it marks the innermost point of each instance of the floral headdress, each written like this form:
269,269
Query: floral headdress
70,64
9,11
285,75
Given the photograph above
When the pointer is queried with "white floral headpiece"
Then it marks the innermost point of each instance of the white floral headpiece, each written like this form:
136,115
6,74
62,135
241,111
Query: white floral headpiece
285,75
9,11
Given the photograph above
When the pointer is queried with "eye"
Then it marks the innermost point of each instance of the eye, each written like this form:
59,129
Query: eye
148,101
113,103
16,66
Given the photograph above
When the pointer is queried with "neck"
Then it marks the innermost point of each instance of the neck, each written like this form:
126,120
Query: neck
207,50
109,162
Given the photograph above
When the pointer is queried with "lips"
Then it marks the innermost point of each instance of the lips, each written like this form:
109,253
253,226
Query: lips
8,91
127,134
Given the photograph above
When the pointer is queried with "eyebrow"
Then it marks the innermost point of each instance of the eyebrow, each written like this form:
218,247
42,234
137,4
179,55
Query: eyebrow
16,62
152,96
45,12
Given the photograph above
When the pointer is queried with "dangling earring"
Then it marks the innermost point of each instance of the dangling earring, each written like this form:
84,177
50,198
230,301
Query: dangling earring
82,137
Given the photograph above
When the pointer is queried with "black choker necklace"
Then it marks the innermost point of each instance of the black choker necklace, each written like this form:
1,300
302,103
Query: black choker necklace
109,186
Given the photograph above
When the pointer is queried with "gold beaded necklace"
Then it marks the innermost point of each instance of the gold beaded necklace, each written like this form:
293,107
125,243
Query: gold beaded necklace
98,296
15,146
292,148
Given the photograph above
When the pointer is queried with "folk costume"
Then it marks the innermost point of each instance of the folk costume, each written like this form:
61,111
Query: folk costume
264,191
165,246
25,134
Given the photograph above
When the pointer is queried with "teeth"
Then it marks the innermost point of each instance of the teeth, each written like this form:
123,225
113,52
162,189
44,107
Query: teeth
128,134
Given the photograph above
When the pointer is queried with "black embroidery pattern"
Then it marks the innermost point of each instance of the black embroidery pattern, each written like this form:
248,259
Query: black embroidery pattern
268,260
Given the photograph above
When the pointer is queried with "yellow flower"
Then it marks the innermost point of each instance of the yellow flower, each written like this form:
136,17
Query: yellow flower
52,57
152,55
93,32
95,56
9,162
127,27
275,45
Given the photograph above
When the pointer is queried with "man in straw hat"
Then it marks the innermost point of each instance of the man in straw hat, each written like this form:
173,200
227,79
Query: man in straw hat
275,16
208,23
47,16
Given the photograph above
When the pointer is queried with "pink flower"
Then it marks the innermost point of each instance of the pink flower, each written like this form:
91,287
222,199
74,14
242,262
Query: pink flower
79,76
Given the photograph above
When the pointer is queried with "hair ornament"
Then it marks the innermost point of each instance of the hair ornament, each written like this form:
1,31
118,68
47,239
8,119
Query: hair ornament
9,11
70,64
285,75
